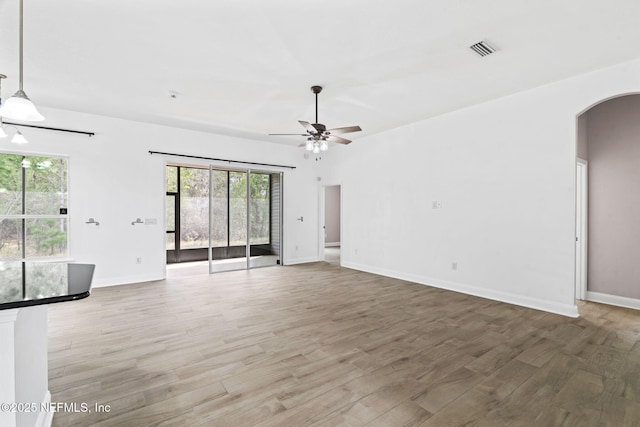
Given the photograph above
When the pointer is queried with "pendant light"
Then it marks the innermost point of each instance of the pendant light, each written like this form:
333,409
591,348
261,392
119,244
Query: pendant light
19,106
19,138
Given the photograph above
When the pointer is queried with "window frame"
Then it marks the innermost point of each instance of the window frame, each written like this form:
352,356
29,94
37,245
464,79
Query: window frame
177,195
24,217
23,259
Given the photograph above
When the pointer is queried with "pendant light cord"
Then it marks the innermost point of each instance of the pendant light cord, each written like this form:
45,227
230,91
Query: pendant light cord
21,40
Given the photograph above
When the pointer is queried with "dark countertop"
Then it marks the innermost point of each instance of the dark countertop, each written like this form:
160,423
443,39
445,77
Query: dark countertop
24,284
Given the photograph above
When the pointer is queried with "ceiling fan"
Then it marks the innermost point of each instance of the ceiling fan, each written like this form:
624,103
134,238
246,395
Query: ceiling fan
318,136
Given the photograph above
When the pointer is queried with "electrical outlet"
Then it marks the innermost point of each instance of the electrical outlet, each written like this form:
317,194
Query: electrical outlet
296,247
454,266
138,260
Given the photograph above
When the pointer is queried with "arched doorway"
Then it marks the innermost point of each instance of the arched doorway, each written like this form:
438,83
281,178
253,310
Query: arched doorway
608,141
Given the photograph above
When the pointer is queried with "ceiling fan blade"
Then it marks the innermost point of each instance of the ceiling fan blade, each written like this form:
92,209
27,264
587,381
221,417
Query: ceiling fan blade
308,126
289,134
338,139
346,129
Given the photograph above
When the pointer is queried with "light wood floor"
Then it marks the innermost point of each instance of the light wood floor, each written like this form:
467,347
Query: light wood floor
317,344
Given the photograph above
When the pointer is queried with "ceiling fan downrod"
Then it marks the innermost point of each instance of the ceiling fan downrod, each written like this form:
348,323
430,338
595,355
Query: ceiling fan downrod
316,90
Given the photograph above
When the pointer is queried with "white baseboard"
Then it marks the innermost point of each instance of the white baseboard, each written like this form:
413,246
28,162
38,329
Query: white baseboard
331,244
45,419
535,303
613,300
126,280
301,260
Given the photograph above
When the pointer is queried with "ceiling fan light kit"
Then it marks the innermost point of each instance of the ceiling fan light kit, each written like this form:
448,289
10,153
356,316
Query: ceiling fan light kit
318,136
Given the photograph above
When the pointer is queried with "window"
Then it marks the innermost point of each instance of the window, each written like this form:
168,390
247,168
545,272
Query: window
259,208
219,209
33,207
228,189
33,215
194,208
237,208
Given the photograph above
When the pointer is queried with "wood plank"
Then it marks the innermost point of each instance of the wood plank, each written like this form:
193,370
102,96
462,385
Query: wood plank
317,344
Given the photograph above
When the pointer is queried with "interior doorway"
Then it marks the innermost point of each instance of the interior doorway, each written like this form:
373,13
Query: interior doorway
331,228
606,258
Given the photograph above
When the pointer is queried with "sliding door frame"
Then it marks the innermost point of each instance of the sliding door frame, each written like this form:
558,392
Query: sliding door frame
248,172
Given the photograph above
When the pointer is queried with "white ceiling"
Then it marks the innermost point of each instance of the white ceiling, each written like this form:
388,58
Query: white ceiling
244,67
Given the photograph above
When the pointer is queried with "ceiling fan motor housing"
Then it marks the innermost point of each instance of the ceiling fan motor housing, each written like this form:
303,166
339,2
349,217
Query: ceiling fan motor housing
320,127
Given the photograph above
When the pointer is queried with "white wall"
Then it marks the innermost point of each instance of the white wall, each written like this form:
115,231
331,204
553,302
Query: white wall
114,179
504,172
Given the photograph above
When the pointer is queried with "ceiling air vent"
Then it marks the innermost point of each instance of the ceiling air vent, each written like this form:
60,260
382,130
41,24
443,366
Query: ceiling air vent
482,48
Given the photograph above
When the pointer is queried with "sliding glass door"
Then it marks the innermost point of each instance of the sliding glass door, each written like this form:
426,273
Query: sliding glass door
232,218
228,221
246,211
